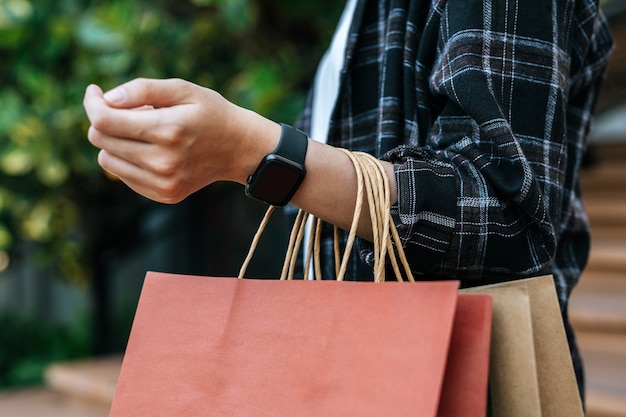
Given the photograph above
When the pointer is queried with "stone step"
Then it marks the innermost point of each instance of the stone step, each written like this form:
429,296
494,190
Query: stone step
604,356
80,389
606,154
609,231
91,381
598,303
605,177
607,211
607,254
41,402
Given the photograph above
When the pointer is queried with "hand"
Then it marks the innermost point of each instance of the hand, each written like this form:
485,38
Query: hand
169,138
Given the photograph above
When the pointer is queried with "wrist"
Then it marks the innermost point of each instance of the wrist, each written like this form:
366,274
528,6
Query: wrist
256,137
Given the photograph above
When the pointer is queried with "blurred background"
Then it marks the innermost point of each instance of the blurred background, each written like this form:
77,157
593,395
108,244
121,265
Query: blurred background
75,244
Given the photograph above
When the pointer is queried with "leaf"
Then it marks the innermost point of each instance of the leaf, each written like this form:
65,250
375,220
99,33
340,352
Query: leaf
239,14
115,62
11,107
94,34
204,2
6,239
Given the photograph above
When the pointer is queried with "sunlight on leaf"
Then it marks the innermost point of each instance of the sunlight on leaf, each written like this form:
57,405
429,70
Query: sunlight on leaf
52,172
13,12
17,161
26,130
37,224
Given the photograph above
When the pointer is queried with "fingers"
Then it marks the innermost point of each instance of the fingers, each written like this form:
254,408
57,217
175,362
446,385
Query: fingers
128,149
131,175
141,92
162,188
121,122
92,101
154,158
162,103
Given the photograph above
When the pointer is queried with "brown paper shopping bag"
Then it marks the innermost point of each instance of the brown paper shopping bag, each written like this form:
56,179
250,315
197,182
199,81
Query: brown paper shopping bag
204,346
531,369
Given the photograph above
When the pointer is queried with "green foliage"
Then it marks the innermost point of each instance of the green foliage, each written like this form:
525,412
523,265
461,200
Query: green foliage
29,345
260,54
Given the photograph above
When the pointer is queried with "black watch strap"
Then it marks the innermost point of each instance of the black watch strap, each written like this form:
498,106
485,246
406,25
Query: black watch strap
292,145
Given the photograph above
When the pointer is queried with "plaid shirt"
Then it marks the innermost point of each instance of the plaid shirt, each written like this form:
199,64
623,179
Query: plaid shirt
484,108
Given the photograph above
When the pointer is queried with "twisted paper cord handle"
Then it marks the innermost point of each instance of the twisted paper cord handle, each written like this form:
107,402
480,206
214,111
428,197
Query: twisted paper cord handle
373,185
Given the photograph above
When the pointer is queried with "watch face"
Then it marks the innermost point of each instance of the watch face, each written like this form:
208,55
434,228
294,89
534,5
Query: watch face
275,181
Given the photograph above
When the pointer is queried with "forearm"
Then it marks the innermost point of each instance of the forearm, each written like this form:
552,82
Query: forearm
330,188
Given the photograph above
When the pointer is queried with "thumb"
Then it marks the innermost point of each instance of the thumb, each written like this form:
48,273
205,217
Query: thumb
149,92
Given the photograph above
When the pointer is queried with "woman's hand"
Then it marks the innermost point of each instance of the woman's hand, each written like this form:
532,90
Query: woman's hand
168,138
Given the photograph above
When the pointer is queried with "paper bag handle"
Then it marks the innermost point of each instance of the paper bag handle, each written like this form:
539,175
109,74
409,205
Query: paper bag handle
373,184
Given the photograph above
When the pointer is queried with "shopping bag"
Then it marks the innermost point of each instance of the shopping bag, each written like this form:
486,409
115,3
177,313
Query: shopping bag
203,346
464,392
531,371
225,347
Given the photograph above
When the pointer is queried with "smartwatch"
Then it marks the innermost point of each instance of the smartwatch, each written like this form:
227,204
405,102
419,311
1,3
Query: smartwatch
281,172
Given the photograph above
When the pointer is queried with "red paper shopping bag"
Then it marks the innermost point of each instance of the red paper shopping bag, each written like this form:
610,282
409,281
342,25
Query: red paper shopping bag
225,347
465,386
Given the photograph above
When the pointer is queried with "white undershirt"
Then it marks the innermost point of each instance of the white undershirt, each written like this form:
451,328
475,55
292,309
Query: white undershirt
326,90
326,87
